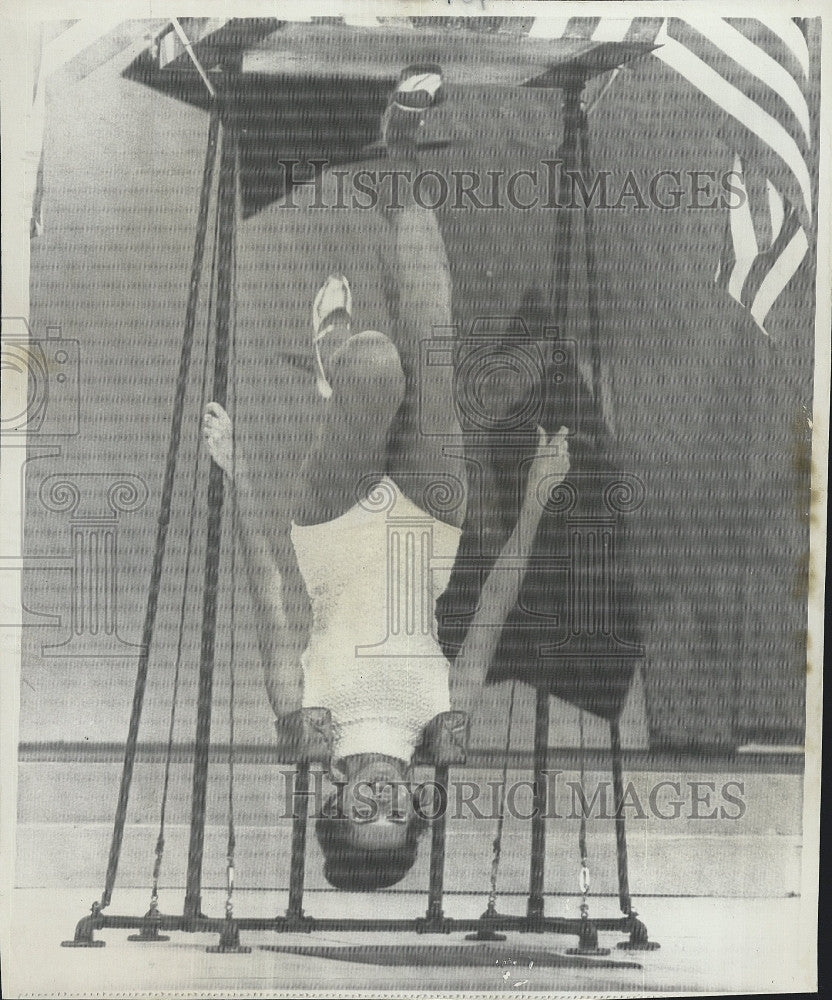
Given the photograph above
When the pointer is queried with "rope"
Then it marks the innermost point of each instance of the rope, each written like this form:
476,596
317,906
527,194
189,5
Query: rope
186,42
163,519
603,413
160,841
602,93
232,838
497,847
584,876
211,575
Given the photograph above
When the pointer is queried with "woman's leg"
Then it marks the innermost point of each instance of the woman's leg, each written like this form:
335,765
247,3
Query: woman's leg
350,452
426,445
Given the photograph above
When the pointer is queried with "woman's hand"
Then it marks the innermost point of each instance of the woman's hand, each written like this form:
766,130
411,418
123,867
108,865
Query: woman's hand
219,436
500,590
551,463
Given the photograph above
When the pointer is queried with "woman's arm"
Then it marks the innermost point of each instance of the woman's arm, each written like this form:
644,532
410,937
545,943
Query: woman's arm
280,644
502,587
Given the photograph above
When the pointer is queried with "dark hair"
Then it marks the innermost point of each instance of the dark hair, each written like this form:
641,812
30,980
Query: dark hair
359,869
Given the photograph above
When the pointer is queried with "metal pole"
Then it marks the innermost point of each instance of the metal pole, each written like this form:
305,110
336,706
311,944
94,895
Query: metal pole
589,253
164,511
540,799
567,152
227,203
603,415
620,832
437,845
298,862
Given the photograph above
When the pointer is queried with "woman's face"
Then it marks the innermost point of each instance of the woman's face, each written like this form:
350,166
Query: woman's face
377,801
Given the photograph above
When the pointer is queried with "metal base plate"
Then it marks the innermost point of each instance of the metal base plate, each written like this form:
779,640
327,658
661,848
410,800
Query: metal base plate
640,946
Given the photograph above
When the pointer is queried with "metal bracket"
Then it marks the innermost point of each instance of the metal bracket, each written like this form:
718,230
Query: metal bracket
84,931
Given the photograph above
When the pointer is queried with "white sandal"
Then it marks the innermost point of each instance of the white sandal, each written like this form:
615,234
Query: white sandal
333,296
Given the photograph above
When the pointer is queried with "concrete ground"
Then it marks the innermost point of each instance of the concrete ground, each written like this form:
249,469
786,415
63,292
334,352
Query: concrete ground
707,944
719,896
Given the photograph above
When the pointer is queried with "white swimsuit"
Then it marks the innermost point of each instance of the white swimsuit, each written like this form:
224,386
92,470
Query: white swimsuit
373,576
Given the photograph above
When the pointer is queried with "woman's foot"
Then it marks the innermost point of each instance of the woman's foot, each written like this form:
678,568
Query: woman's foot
331,322
219,436
419,89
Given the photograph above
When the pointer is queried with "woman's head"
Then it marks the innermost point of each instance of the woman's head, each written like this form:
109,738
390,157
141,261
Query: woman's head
370,826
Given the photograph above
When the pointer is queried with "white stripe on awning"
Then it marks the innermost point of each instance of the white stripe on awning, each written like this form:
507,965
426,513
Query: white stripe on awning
361,21
548,27
612,29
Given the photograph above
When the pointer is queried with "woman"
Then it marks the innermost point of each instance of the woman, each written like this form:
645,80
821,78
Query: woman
341,692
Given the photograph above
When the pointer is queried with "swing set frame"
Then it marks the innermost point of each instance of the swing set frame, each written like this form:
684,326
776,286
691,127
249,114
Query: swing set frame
487,927
571,78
